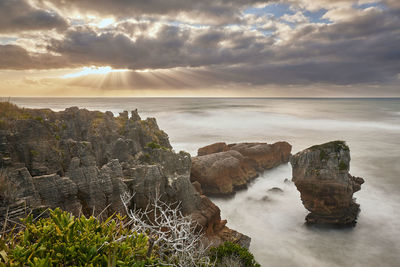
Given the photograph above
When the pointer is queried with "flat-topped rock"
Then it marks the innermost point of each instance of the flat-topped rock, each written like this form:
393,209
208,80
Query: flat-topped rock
223,169
213,148
264,156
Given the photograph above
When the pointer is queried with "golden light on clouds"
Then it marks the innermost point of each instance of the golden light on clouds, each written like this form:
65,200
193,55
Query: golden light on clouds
106,81
92,70
246,48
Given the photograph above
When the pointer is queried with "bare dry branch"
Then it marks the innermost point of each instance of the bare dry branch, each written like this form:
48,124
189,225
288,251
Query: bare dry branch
177,237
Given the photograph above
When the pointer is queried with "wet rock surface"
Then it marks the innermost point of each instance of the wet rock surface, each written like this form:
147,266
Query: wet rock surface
223,169
275,190
321,175
82,161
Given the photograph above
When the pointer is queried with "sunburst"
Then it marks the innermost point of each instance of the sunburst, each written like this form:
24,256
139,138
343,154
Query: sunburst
92,70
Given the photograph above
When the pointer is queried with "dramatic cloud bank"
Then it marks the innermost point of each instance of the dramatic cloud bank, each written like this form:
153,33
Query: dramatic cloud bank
349,46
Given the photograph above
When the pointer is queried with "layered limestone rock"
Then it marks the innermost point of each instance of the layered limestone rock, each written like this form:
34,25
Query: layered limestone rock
321,174
83,161
222,169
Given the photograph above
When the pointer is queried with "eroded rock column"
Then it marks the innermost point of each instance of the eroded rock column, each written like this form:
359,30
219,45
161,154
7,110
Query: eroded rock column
321,174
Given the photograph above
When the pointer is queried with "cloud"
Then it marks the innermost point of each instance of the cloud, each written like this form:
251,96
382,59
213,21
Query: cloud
315,5
298,17
87,47
18,15
14,57
205,11
358,46
393,3
172,47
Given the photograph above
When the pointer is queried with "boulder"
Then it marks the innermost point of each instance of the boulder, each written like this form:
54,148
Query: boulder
223,169
321,174
264,156
213,148
275,190
222,173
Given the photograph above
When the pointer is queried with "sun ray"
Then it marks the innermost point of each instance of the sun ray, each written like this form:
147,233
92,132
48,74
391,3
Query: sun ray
92,70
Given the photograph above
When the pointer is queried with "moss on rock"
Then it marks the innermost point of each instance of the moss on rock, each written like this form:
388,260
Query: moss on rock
333,145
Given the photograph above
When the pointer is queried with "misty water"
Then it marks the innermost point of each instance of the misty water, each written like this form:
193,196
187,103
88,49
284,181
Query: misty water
371,128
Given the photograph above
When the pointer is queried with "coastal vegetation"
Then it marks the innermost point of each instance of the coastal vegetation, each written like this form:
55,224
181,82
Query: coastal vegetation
65,240
71,179
154,145
336,146
230,254
61,239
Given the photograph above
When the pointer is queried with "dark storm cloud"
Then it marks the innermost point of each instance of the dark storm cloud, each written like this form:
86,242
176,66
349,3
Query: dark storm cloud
173,47
18,15
86,47
338,73
14,57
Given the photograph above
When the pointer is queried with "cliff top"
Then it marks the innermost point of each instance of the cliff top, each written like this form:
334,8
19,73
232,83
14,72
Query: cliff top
333,145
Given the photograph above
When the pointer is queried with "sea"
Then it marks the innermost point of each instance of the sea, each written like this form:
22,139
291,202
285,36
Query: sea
275,221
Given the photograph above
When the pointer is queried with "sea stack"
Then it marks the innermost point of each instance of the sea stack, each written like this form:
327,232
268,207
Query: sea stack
321,174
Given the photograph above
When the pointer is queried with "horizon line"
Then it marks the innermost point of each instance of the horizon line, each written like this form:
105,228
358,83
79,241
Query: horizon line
209,97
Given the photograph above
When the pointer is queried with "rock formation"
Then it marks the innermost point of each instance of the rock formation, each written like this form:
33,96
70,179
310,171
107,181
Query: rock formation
321,174
222,169
82,161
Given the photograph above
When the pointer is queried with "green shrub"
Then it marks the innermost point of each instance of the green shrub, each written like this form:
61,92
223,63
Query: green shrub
229,250
39,119
65,240
10,111
154,145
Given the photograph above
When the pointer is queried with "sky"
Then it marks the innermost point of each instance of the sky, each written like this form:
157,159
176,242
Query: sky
237,48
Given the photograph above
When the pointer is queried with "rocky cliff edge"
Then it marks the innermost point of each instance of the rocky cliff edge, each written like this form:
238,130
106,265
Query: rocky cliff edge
82,161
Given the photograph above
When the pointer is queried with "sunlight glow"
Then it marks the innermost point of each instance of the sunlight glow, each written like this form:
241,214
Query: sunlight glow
105,22
92,70
143,70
